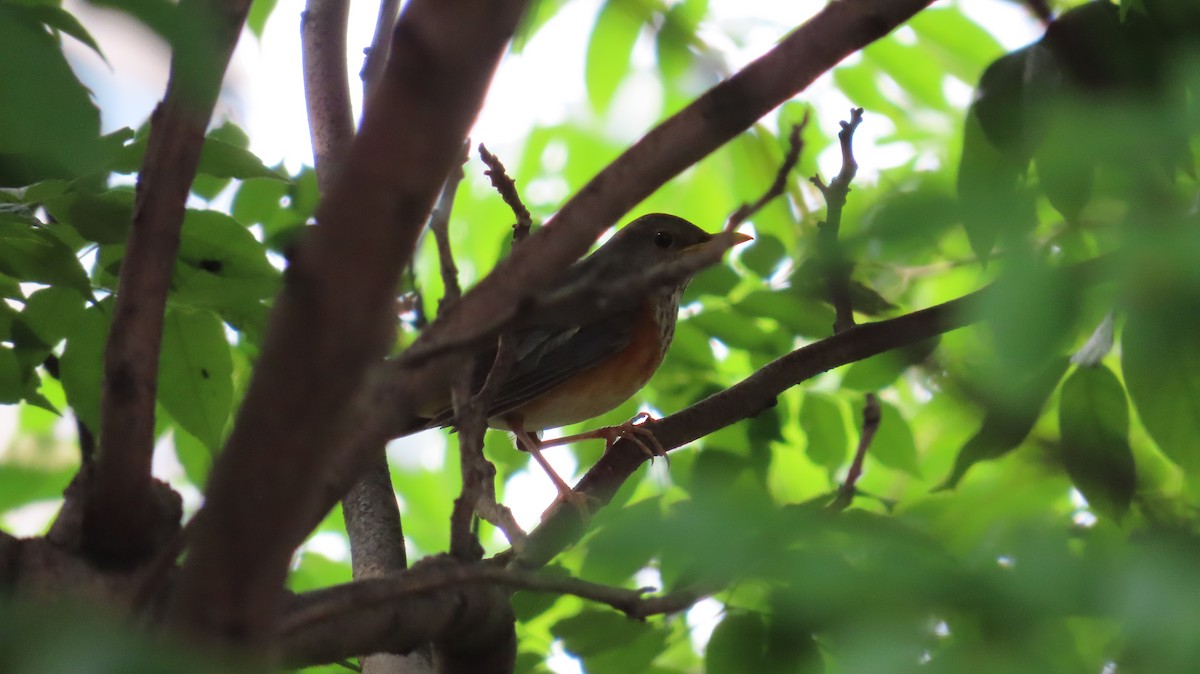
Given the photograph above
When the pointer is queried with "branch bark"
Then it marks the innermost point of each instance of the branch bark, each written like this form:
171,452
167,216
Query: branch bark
326,85
333,318
119,511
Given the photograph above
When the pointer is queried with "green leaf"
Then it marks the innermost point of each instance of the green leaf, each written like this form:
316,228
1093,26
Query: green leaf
51,313
224,157
609,50
195,382
34,254
259,201
893,444
1008,420
1093,419
736,645
256,19
20,485
764,256
82,363
103,217
1161,363
221,266
63,21
994,207
824,424
12,379
49,126
591,634
880,371
802,316
193,456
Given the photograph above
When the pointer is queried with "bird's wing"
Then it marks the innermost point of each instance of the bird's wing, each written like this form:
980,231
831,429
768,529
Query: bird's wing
547,357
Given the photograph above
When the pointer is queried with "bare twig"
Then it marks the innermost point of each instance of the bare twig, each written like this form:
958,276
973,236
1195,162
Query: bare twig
837,280
837,269
795,146
508,191
381,44
120,506
326,85
366,594
439,224
470,408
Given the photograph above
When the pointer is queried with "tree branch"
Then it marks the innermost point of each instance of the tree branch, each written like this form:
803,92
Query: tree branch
334,317
420,607
753,395
381,44
120,508
326,84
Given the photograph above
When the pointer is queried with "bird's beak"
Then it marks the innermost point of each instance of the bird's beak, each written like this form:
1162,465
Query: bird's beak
736,238
721,240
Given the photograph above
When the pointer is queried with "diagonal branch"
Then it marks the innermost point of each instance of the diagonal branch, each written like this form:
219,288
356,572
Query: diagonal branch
756,393
120,508
333,318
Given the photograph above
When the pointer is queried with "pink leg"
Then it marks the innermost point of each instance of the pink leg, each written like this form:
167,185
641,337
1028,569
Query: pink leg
629,430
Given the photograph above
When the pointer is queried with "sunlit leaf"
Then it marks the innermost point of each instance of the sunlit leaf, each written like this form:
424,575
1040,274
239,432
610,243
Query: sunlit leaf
1008,421
825,425
82,362
1161,363
609,50
893,444
195,373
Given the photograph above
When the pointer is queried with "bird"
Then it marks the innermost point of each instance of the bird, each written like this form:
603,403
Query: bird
576,364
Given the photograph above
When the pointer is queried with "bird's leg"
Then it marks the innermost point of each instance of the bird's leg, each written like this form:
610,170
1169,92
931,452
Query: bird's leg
532,444
630,430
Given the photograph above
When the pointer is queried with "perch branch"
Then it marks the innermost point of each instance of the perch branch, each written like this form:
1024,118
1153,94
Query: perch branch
120,508
757,393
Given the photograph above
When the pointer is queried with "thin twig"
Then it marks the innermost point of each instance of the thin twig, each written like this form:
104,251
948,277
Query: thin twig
507,188
363,595
837,279
381,43
795,145
439,224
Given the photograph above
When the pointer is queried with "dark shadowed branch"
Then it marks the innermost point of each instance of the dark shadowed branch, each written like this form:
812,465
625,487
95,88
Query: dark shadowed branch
262,495
418,600
121,507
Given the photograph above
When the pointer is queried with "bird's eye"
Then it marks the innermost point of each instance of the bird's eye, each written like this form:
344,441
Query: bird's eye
663,239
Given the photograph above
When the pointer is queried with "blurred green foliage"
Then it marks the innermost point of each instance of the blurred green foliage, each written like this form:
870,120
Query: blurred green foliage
1018,512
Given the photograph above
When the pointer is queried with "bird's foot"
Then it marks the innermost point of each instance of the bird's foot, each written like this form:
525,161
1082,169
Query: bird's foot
639,435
